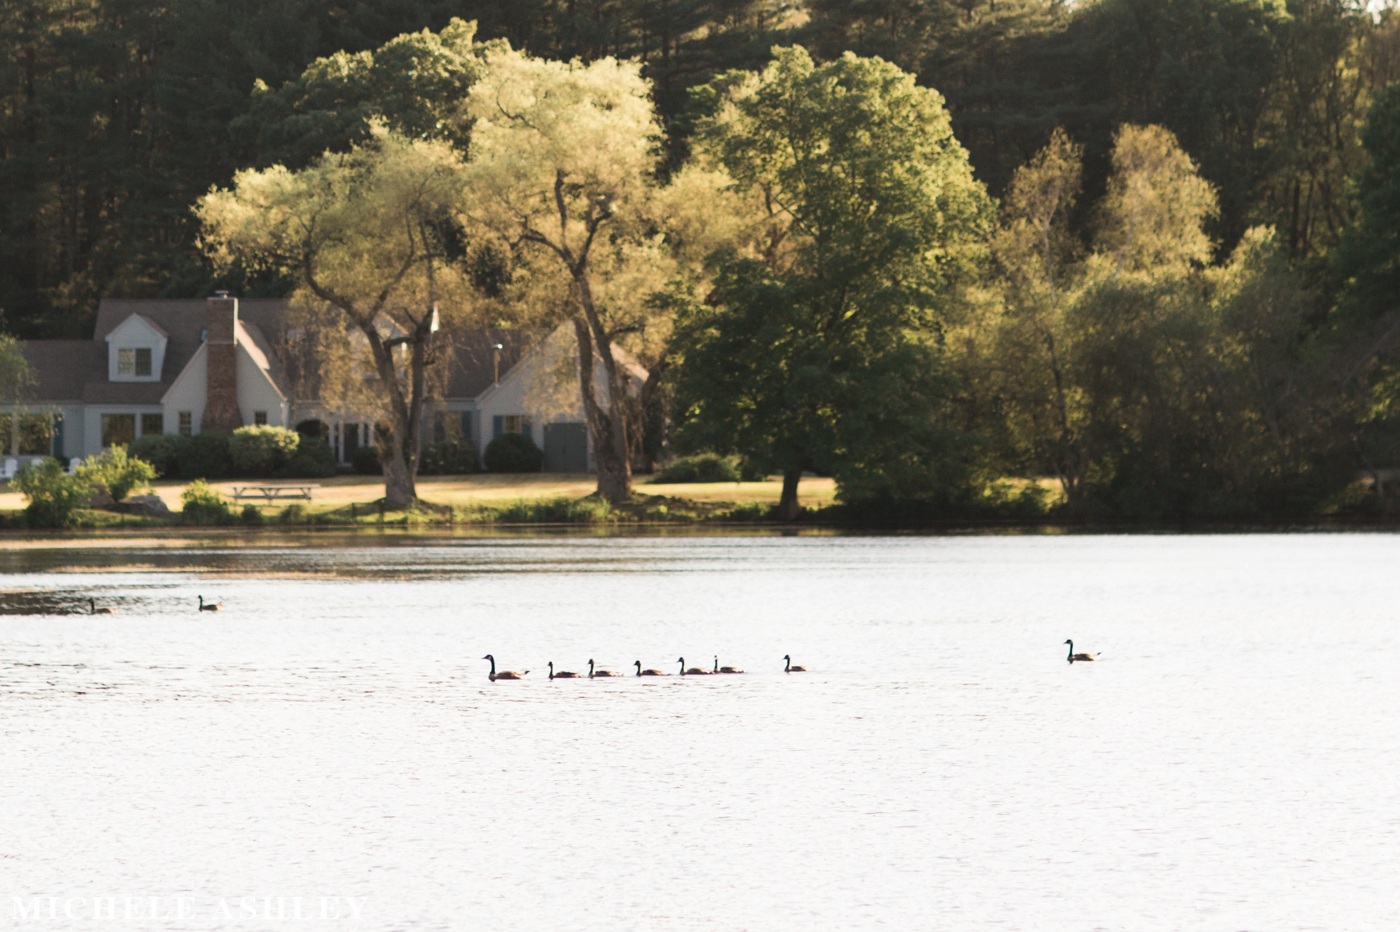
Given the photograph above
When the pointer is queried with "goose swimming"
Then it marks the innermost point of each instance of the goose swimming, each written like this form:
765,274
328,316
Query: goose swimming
493,676
594,674
1082,658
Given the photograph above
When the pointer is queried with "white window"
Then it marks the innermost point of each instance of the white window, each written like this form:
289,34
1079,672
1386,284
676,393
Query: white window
135,362
260,418
186,423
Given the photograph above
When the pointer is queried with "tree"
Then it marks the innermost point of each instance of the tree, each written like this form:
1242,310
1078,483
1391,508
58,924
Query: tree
415,84
369,236
821,349
562,173
16,385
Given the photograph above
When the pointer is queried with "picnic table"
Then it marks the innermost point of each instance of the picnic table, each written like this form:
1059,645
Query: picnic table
273,493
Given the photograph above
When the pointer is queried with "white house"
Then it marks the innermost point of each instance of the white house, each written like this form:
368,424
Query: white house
191,366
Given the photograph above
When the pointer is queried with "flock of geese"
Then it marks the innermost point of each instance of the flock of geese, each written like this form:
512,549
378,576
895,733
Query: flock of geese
596,672
109,610
593,671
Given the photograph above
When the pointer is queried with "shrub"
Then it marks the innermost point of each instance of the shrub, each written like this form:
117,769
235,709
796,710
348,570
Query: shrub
447,458
704,468
513,453
202,505
160,450
313,459
365,461
294,514
261,450
54,496
117,471
252,516
204,456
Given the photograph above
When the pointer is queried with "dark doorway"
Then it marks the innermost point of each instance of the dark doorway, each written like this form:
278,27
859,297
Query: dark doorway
566,447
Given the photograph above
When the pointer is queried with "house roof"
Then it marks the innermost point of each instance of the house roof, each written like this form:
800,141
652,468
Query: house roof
63,367
76,370
473,367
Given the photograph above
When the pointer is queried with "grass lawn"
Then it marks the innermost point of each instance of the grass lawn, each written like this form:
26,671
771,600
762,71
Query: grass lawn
493,489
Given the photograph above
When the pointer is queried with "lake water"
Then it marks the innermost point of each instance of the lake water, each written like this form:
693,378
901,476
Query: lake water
1230,762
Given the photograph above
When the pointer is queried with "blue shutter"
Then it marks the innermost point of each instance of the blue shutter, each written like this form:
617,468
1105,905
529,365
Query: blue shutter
465,423
498,425
525,427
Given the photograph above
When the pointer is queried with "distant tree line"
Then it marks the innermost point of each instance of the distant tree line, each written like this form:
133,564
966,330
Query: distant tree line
1148,248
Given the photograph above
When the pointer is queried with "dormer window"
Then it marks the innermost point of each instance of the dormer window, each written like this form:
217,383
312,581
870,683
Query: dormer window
136,361
136,350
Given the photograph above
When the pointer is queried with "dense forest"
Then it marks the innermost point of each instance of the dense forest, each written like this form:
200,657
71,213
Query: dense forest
1241,362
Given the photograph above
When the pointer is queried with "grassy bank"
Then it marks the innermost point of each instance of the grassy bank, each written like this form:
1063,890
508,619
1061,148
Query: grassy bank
544,498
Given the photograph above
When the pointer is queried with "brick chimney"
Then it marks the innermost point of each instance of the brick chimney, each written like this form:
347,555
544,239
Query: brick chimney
221,399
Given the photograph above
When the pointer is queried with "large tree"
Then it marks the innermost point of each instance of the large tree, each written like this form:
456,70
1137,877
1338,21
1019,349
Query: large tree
562,173
371,236
820,350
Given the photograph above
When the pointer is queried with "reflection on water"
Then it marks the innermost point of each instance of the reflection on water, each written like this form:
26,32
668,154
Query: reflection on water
1226,765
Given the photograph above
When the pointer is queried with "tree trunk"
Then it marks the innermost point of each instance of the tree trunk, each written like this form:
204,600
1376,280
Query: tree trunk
788,509
607,428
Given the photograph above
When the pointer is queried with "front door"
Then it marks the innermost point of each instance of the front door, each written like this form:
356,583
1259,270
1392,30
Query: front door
566,447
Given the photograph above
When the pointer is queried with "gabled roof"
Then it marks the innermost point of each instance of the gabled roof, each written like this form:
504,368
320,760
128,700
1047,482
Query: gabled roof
154,327
76,370
63,367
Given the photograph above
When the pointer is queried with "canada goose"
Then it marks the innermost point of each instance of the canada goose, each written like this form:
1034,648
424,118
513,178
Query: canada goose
594,674
1080,657
562,674
104,610
693,671
790,668
211,607
493,676
719,669
641,672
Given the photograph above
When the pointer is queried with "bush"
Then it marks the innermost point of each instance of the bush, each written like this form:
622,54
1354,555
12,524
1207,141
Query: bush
294,514
251,516
447,458
202,505
116,471
313,459
204,456
261,450
160,450
54,496
702,467
513,453
365,461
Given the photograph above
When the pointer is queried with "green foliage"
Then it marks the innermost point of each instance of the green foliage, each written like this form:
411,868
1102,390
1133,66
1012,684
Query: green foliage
448,458
416,83
116,471
825,354
591,510
365,461
513,453
294,513
54,496
251,516
262,450
204,506
313,459
204,456
1367,264
702,467
162,451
